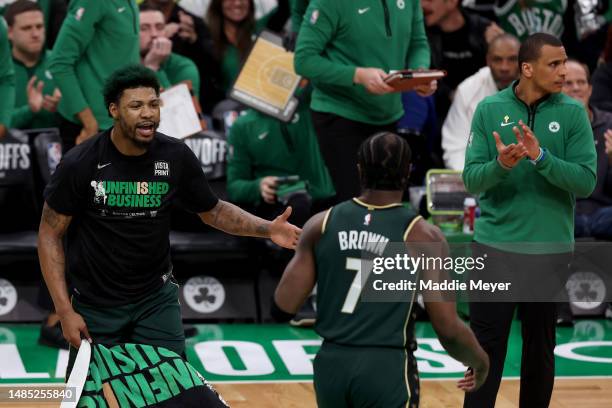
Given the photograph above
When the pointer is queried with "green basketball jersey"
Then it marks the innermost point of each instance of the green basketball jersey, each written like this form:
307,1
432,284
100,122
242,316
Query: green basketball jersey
531,16
351,230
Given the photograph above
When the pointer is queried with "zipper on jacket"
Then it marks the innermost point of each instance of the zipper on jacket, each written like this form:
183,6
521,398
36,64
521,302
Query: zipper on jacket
387,18
134,17
531,111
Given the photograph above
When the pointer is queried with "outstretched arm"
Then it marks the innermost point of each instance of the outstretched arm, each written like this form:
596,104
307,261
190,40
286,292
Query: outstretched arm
232,219
300,274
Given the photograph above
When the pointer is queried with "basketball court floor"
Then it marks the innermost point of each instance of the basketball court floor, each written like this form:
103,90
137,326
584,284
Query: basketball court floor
256,365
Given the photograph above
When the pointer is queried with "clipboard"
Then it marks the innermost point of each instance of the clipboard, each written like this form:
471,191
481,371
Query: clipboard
179,117
267,81
407,80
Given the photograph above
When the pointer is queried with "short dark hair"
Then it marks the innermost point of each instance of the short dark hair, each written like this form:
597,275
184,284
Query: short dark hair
129,77
18,7
149,6
531,48
384,160
584,66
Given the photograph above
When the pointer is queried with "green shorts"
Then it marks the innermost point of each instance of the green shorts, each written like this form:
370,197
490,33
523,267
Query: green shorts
346,376
154,320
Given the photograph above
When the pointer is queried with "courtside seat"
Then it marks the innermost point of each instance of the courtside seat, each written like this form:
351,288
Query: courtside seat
19,212
191,240
216,274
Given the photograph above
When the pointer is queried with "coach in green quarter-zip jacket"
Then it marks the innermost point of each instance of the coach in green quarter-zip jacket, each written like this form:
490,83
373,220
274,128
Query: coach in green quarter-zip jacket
529,154
347,48
97,38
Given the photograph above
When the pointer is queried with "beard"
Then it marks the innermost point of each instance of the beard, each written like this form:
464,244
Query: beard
131,132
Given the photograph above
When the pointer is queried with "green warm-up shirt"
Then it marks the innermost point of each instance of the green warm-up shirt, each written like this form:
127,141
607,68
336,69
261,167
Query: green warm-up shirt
97,38
22,116
178,69
7,78
338,36
262,146
531,203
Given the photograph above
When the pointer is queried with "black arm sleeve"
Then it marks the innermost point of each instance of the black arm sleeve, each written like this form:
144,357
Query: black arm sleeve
278,314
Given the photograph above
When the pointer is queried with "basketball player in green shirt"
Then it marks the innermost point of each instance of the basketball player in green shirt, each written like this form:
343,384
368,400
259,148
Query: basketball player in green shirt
366,358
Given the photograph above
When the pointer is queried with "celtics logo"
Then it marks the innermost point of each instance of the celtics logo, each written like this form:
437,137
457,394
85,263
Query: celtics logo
554,127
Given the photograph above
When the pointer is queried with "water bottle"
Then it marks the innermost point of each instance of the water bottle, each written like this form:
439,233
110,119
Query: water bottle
469,215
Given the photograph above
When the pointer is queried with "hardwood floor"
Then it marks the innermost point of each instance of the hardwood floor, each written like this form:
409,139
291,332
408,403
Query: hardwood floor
568,393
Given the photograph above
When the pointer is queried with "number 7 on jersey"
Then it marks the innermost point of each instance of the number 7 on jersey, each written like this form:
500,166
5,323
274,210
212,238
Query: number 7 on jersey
355,264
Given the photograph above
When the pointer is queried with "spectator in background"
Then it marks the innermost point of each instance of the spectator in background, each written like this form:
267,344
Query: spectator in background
97,38
262,149
458,39
191,38
593,214
232,25
602,78
36,95
501,70
156,52
340,46
525,17
7,81
54,12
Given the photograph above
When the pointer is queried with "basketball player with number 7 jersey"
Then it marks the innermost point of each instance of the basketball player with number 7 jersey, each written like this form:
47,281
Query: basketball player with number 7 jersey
366,358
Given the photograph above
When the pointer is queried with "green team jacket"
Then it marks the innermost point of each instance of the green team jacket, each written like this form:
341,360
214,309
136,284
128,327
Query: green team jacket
298,9
258,149
97,38
338,36
22,116
7,78
177,69
530,203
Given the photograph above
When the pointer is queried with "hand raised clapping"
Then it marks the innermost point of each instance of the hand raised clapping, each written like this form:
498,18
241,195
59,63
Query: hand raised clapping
527,146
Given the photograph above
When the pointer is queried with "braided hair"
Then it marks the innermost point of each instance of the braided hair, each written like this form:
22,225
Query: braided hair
384,161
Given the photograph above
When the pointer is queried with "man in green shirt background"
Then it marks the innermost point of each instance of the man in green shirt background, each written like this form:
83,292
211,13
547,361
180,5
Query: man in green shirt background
156,52
530,153
7,81
36,95
54,12
263,150
97,38
347,48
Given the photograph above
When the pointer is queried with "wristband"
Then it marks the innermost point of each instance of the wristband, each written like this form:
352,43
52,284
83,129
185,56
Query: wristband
278,314
540,157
